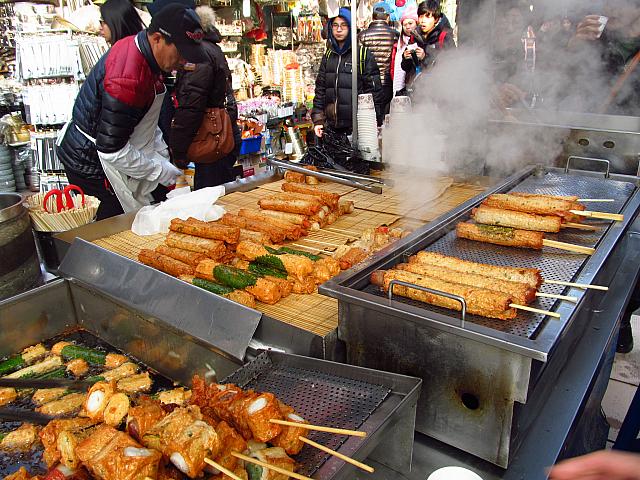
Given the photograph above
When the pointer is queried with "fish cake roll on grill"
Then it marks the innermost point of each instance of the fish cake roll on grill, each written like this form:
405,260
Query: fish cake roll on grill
143,416
353,256
328,198
521,292
135,384
513,219
257,237
163,263
97,400
292,231
7,395
292,204
295,218
78,367
22,438
125,370
185,256
50,433
185,439
276,235
487,303
537,205
259,411
211,248
530,276
230,441
113,455
66,405
508,237
568,198
46,395
117,409
212,230
289,437
68,442
294,177
178,396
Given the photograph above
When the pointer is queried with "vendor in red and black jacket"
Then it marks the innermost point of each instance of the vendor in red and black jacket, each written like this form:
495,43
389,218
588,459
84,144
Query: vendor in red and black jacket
113,147
432,35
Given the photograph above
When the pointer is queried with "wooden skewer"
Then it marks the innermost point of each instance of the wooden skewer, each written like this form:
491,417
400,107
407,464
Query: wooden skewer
559,297
606,216
577,285
534,310
222,469
339,230
319,250
579,226
269,467
568,246
596,200
318,428
350,460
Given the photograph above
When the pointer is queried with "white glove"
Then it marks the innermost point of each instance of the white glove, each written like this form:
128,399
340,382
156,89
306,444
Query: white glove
169,174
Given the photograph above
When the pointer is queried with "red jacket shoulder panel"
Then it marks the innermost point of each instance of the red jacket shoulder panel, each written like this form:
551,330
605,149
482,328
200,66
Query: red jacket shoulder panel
128,77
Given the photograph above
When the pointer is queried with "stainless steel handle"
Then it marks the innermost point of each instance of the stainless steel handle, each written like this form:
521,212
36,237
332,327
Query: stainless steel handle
451,296
591,159
356,176
325,176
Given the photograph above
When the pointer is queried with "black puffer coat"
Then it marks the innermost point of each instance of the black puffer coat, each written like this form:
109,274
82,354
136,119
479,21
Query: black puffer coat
208,85
380,39
438,39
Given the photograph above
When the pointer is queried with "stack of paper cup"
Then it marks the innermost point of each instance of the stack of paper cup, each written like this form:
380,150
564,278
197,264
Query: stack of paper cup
453,473
368,128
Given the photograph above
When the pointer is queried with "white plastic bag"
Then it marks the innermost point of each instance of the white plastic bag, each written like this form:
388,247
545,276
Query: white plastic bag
180,203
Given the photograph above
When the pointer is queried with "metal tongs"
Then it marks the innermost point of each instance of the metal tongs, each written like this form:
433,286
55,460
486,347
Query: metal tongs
344,178
68,383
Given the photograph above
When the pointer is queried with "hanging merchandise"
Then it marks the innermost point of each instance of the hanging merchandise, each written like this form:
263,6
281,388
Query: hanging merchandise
309,28
48,55
49,104
293,86
91,49
45,151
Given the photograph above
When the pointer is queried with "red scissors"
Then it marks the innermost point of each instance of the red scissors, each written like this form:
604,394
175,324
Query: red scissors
60,195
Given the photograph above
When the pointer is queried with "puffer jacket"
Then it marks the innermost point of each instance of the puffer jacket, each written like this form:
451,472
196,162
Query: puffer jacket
438,39
380,39
117,94
207,86
332,101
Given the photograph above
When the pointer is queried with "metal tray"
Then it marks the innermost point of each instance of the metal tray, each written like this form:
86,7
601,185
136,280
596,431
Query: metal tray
340,396
533,335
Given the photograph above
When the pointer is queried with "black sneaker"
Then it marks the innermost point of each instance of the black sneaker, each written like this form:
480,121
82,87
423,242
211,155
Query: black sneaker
625,338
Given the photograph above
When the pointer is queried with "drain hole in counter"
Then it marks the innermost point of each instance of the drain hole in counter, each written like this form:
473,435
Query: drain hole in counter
470,401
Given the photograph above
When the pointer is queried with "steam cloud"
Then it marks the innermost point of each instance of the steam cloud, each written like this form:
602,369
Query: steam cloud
449,132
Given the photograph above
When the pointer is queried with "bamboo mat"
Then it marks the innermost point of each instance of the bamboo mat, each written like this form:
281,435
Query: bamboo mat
128,244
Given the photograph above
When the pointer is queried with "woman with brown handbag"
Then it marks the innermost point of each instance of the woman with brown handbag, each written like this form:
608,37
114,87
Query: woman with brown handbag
204,128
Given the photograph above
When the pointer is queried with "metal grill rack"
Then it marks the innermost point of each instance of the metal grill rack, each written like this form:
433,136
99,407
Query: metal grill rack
553,264
320,398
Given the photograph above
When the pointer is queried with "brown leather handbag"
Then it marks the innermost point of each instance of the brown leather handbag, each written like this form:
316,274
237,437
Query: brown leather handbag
214,139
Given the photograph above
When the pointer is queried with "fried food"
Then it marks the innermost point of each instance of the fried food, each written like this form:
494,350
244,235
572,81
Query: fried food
487,303
534,204
211,248
328,198
292,203
521,220
97,399
185,256
22,438
78,367
293,231
50,433
294,177
66,405
164,263
530,276
113,455
353,256
276,235
212,230
521,292
295,265
508,237
143,416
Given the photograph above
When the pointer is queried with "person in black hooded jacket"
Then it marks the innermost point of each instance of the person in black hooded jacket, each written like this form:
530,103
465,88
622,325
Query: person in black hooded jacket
430,37
207,85
332,101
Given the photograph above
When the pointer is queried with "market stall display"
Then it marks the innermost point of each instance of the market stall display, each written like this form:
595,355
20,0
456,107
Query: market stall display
526,345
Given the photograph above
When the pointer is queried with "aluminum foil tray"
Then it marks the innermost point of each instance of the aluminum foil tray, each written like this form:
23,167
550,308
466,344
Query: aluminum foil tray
554,264
320,398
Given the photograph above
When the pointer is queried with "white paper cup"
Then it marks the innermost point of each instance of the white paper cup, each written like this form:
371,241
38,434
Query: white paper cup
603,23
453,473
